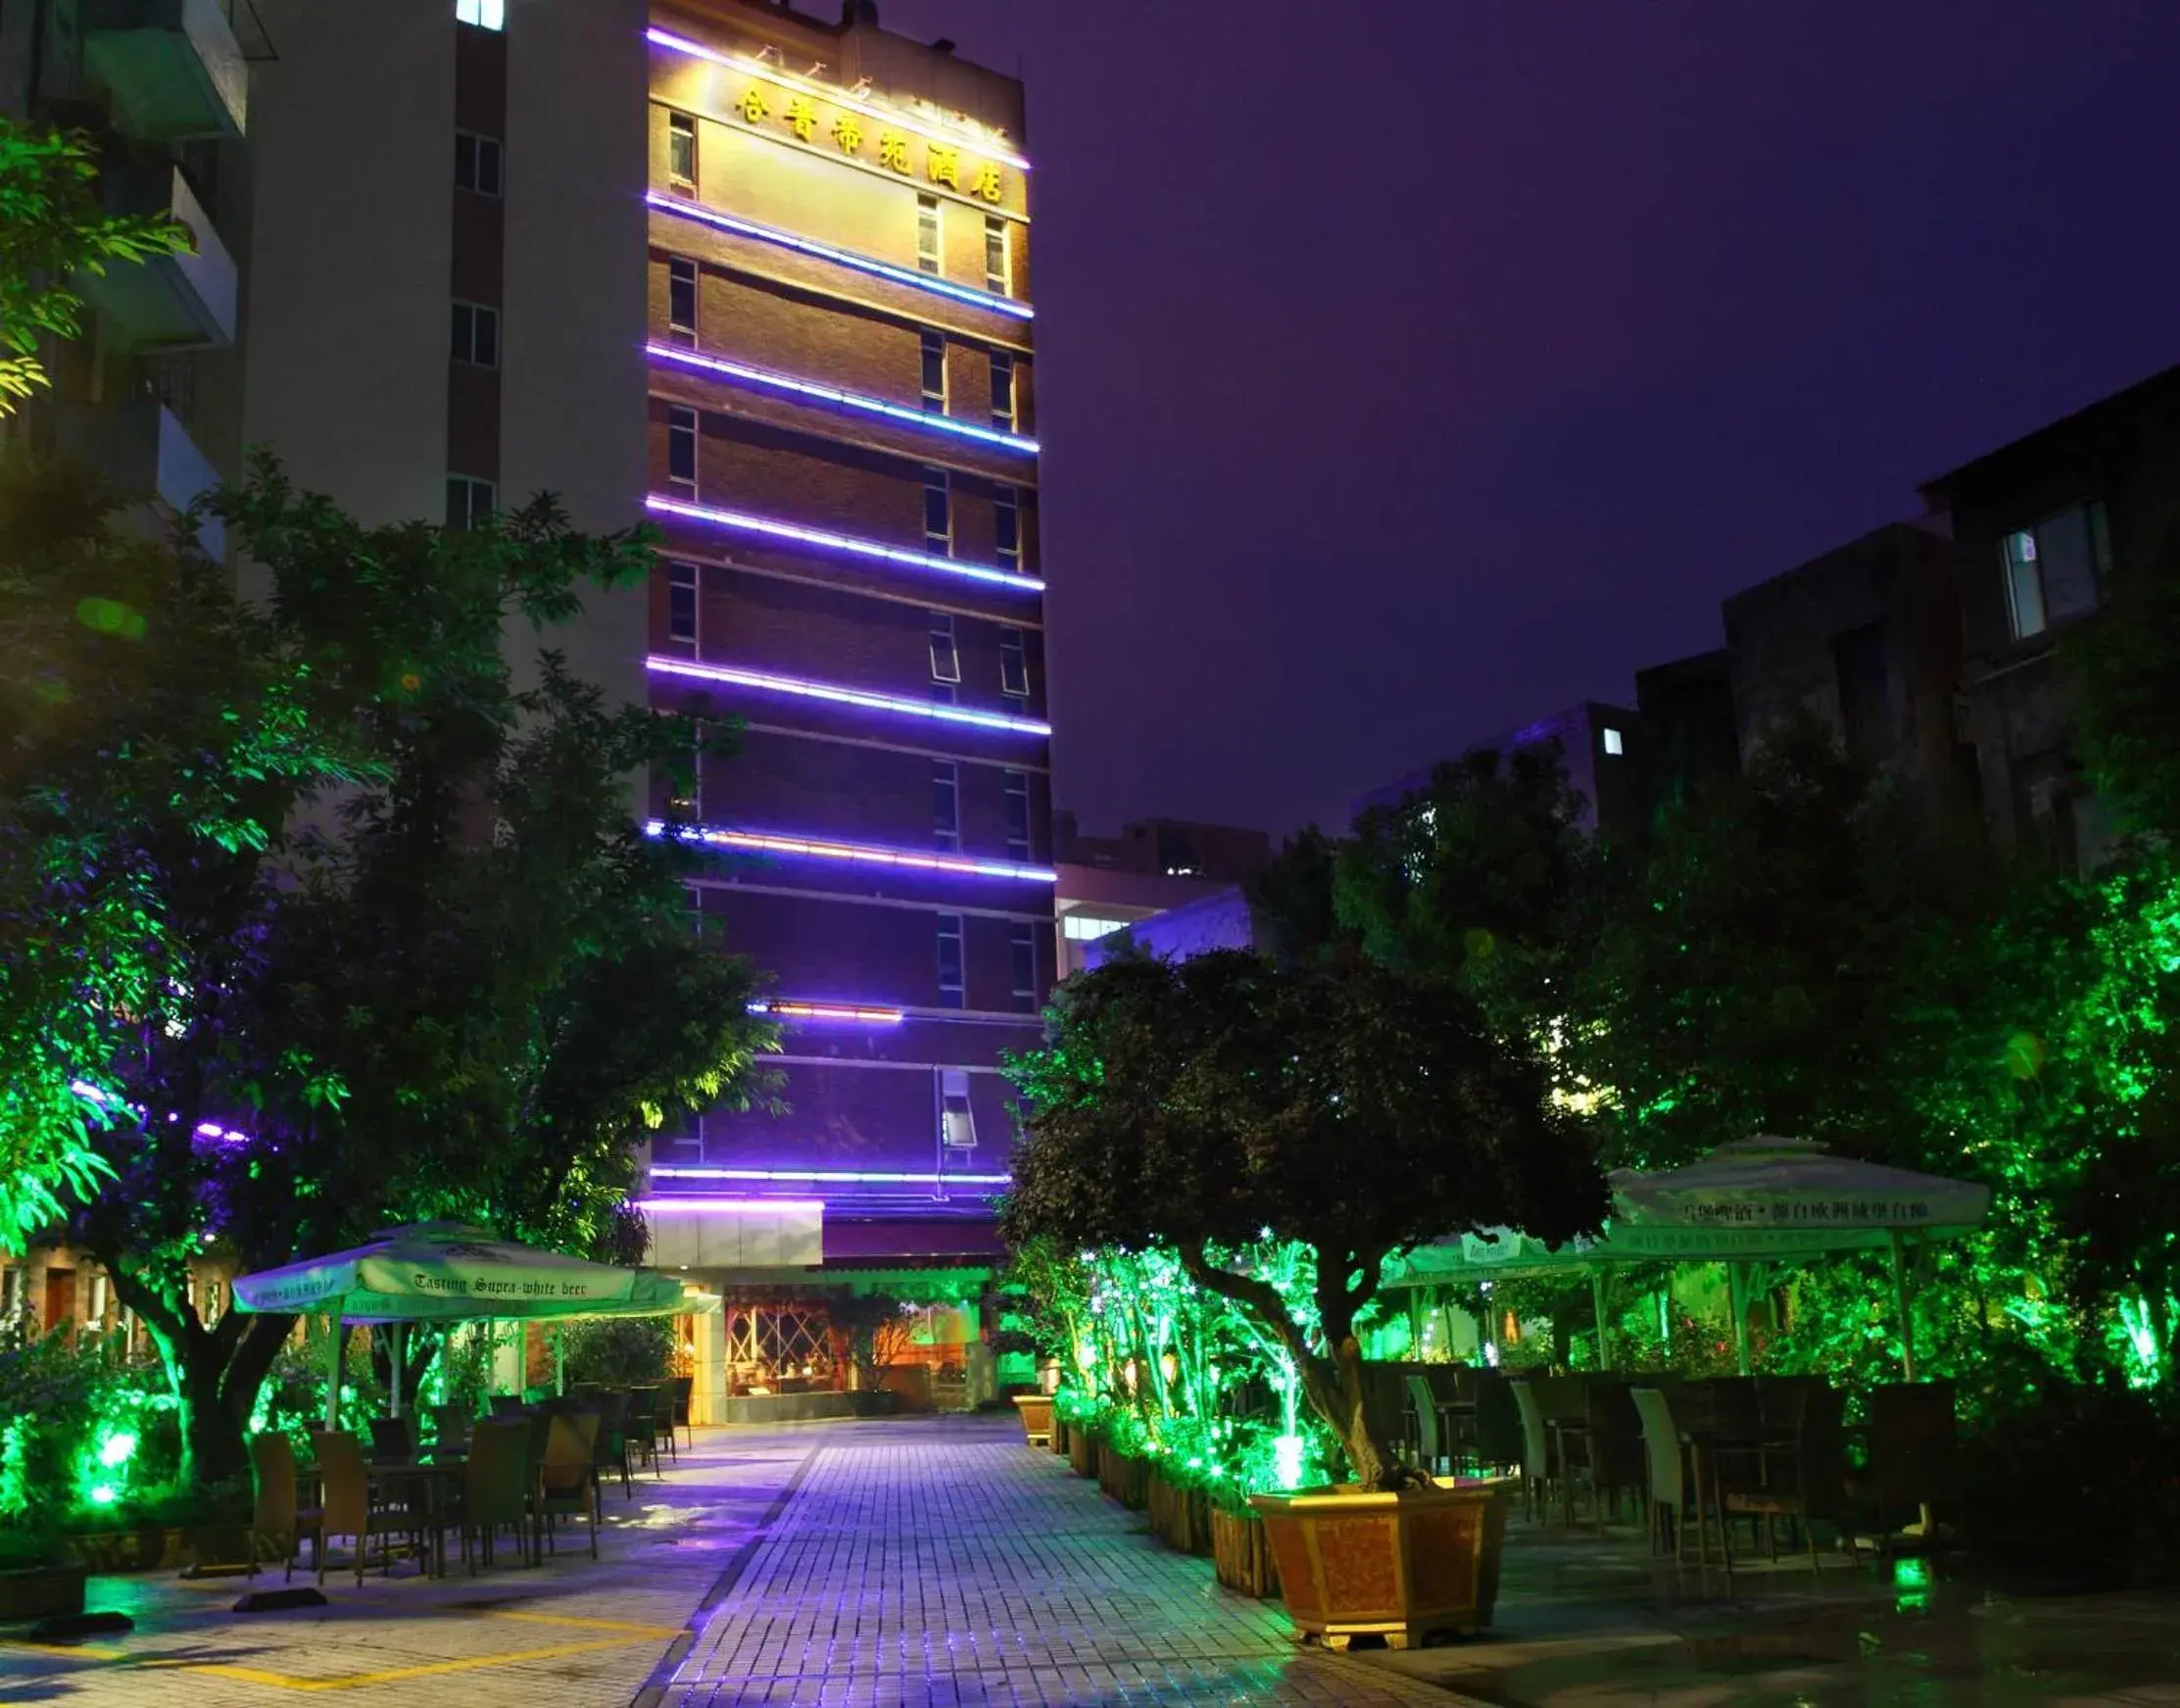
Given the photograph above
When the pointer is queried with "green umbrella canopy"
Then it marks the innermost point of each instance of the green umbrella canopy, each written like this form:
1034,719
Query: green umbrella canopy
437,1272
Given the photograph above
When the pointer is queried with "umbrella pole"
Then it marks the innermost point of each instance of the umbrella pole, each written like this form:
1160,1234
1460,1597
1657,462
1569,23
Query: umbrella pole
560,1362
1737,1293
333,1378
1901,1302
396,1349
1603,1334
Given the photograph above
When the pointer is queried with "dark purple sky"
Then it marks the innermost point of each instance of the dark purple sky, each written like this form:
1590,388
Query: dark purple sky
1399,387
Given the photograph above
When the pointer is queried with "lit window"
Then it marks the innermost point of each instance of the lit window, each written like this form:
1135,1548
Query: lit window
484,14
1003,390
945,804
1006,520
681,602
953,980
476,334
477,163
1088,927
957,1123
1017,785
946,655
928,251
1024,958
681,449
935,371
938,513
681,299
1014,664
1613,743
681,150
468,501
999,269
2054,571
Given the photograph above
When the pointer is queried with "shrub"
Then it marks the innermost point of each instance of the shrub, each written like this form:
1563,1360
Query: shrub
619,1352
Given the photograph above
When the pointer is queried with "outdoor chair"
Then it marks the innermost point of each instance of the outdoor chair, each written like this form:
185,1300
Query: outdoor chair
1669,1470
641,1430
671,1399
1539,1464
496,1489
609,1450
1914,1452
567,1484
277,1518
684,1387
1805,1482
351,1507
507,1406
449,1428
1499,1439
1779,1401
393,1440
1423,1406
1615,1443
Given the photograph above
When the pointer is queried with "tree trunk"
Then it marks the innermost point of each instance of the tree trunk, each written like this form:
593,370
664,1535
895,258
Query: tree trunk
215,1373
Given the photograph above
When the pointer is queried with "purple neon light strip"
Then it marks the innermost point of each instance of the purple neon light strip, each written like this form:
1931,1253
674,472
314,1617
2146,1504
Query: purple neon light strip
831,1176
734,677
843,1013
765,380
742,521
858,853
885,270
716,1206
839,97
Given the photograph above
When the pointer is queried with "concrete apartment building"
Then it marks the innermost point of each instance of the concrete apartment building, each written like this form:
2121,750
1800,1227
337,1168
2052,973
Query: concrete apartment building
1600,749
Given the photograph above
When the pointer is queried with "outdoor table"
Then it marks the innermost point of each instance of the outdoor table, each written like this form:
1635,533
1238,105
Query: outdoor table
432,1479
1706,1447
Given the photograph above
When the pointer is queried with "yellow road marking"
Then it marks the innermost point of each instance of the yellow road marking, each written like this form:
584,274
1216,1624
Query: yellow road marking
658,1630
395,1675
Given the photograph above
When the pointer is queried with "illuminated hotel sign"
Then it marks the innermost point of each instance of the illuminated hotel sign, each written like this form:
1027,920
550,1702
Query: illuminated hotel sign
805,118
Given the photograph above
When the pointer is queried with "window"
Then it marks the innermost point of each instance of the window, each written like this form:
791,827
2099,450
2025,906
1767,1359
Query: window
476,334
1018,814
1014,664
681,449
1024,958
477,163
681,602
928,250
681,150
953,982
957,1123
938,513
945,804
999,267
484,14
1614,744
2054,571
681,299
1088,927
935,371
1003,390
1006,520
468,501
946,655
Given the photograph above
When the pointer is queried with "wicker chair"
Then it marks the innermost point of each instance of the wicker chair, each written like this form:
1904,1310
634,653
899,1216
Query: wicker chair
277,1518
1667,1466
496,1488
1540,1467
1800,1485
568,1482
351,1508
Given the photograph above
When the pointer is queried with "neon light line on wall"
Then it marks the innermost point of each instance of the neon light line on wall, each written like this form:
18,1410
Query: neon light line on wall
830,1176
765,380
989,300
741,521
855,852
977,139
847,1013
711,1206
938,711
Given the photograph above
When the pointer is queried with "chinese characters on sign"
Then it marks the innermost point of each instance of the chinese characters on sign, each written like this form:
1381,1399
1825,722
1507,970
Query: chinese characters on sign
1883,1212
943,164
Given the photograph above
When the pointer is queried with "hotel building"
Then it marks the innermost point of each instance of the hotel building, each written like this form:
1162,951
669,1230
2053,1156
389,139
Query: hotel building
842,457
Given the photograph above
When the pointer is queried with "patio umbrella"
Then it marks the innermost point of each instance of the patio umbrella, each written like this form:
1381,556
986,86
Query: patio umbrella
1754,1201
441,1272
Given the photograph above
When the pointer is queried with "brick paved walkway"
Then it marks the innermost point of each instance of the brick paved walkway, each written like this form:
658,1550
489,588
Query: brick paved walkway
947,1565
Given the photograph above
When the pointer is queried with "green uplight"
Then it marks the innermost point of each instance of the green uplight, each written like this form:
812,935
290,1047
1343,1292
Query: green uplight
117,1450
105,1494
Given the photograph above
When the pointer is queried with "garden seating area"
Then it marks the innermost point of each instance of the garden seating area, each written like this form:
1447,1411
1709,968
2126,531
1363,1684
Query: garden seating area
516,1473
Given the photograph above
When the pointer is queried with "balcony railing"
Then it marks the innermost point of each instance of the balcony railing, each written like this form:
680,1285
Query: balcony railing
170,302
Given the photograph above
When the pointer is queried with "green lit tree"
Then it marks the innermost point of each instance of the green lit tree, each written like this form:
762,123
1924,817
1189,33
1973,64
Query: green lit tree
396,924
53,229
1211,1105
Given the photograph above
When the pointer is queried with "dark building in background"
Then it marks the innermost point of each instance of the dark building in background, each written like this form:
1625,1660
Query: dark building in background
1153,867
2038,527
1600,747
1866,638
1689,732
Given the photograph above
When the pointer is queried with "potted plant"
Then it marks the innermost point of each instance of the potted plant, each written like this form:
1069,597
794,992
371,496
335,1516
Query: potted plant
1224,1108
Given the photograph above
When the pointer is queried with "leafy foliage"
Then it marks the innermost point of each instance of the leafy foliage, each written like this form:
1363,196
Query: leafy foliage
53,228
619,1352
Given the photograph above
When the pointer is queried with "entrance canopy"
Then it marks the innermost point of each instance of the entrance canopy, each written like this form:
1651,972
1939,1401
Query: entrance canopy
439,1272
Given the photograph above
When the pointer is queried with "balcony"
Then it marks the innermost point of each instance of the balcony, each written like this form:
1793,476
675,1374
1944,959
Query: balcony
173,68
170,302
143,450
